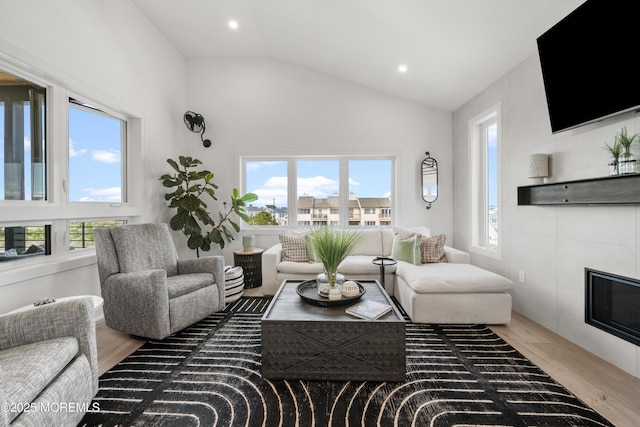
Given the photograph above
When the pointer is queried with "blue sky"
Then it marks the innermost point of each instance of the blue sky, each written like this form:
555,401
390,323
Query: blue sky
318,178
94,157
492,155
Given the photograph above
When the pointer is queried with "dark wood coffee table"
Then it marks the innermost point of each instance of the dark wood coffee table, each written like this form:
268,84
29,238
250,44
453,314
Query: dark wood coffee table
304,341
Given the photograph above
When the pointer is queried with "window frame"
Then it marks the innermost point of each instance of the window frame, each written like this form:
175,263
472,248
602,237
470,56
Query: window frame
478,183
124,145
56,210
292,175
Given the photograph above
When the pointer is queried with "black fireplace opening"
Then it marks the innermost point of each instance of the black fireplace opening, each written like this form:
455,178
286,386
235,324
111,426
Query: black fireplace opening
613,304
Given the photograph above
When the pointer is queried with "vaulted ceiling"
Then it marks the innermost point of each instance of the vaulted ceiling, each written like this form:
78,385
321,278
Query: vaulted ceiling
452,49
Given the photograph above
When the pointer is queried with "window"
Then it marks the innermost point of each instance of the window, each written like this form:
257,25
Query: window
22,132
96,141
41,121
268,180
485,133
81,233
324,190
20,242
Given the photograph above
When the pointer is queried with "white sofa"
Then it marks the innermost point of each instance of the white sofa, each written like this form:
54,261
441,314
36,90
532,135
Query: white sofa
446,292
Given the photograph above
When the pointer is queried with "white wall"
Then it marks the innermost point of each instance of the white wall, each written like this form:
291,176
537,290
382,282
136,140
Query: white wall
109,52
552,245
259,105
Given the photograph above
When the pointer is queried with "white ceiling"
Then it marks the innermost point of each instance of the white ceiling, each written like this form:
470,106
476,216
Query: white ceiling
453,48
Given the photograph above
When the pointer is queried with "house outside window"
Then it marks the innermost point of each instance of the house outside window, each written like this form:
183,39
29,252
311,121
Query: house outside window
323,190
486,201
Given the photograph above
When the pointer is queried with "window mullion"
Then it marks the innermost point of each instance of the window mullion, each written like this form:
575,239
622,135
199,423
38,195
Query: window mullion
57,146
344,192
292,191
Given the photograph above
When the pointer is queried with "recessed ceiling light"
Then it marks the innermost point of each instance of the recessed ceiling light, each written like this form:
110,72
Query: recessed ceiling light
402,68
233,24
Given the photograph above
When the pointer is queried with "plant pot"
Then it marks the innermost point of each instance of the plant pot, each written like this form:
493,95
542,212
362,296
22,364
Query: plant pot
248,242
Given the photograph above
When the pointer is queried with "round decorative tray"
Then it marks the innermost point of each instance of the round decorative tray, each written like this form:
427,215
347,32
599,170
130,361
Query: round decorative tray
308,291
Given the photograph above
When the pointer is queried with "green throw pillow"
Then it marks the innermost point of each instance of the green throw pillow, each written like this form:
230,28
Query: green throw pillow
406,249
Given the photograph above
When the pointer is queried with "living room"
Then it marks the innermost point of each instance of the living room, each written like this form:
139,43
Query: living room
111,54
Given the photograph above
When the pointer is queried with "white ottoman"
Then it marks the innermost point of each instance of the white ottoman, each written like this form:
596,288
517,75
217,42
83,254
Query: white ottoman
233,283
453,293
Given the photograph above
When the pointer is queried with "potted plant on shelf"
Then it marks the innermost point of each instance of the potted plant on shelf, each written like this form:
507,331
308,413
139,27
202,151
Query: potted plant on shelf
192,217
626,164
615,150
331,247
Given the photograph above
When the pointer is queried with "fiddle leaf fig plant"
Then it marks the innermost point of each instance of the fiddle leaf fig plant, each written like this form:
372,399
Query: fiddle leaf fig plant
188,189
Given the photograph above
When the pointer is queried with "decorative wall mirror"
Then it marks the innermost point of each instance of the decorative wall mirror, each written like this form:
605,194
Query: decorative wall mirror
429,180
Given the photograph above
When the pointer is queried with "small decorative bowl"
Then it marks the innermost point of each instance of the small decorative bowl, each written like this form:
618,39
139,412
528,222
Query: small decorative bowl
350,289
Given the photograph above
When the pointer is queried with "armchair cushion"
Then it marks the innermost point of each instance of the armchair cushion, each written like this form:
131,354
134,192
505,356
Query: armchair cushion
186,283
48,354
145,247
28,369
74,318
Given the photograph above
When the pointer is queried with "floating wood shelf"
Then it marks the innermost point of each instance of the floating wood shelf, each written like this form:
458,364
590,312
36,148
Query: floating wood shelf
610,190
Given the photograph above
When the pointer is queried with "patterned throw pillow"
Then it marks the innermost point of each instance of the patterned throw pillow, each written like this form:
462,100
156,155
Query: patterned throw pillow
294,248
432,249
406,249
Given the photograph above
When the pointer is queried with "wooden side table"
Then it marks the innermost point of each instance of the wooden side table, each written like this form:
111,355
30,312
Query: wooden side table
251,263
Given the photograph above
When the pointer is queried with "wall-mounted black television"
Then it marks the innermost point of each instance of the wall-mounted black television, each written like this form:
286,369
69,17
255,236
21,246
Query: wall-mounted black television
588,63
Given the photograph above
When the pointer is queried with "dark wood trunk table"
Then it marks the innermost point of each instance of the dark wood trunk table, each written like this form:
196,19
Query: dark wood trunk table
304,341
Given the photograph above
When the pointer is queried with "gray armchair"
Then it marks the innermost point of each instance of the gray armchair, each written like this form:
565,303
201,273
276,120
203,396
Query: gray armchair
48,358
147,290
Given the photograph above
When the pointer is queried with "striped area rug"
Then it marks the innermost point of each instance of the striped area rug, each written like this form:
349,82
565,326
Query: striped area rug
209,375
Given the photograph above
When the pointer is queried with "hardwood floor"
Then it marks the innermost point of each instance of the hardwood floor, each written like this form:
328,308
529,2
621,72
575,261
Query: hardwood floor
607,389
113,346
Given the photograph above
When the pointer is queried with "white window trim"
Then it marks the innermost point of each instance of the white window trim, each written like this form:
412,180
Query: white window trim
124,148
56,210
478,224
292,196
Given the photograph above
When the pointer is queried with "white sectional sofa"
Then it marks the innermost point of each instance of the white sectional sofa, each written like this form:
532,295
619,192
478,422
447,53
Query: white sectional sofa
442,292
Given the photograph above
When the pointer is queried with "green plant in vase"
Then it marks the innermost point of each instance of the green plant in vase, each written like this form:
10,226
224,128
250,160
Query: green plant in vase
615,150
625,164
331,247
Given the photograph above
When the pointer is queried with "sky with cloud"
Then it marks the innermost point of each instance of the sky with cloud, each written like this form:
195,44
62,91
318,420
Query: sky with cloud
94,157
317,178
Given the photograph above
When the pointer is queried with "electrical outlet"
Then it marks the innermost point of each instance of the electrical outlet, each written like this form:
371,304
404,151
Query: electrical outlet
522,278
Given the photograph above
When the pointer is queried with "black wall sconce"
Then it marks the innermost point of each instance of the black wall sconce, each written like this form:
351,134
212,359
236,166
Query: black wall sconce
195,123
